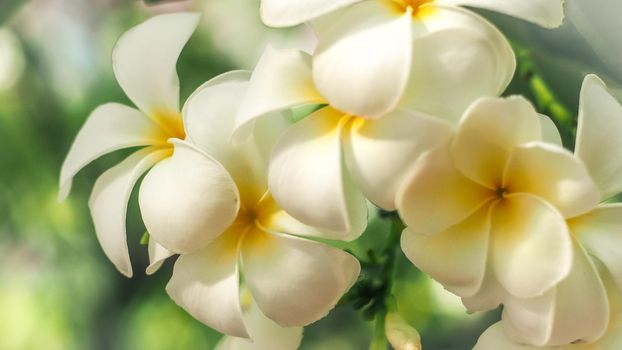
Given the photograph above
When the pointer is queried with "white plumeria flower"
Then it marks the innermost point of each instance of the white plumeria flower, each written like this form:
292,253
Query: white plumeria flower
209,202
266,334
576,308
433,56
321,164
495,337
144,62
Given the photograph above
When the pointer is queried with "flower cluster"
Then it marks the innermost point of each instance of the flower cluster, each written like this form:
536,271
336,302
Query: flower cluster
405,113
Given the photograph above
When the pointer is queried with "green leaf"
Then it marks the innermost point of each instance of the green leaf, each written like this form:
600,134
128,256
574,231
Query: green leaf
144,240
8,8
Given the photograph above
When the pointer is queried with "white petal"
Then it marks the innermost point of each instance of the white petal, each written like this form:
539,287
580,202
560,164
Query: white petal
380,152
553,174
306,174
281,80
456,257
550,133
108,204
546,13
296,281
285,13
361,65
489,130
463,58
206,285
275,219
157,255
145,57
265,334
110,127
531,245
426,210
495,338
187,200
582,308
600,232
598,136
577,310
489,297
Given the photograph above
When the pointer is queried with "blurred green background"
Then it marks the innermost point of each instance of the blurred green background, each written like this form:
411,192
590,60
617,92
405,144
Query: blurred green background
58,290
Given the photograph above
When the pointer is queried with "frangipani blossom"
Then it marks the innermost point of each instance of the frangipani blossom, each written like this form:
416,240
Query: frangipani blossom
323,165
210,203
572,307
577,309
144,62
433,56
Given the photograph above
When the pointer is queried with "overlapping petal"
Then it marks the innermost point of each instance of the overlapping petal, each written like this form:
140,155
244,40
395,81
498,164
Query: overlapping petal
285,13
554,174
281,80
307,173
488,132
157,255
424,209
188,200
495,338
546,13
206,285
531,245
361,65
598,136
295,281
456,257
489,297
110,127
600,232
379,152
550,133
145,57
108,204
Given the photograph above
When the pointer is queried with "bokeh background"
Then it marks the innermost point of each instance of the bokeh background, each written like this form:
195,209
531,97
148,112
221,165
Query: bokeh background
57,289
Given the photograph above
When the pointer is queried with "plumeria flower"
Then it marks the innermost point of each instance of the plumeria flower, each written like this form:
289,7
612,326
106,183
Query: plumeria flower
324,165
495,337
144,62
209,202
265,333
433,56
570,305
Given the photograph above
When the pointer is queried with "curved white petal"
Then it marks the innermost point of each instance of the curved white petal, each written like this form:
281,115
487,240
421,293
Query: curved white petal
456,257
157,255
362,63
552,173
206,285
495,338
145,57
489,130
265,334
426,210
108,204
550,133
281,80
531,245
489,297
461,58
379,152
600,232
275,219
286,13
576,311
110,127
296,281
546,13
308,180
598,136
187,200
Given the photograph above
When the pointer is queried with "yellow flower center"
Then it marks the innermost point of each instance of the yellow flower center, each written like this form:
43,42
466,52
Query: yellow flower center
415,6
171,126
250,226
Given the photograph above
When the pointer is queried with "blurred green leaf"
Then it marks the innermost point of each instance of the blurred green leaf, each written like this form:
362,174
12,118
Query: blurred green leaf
8,8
